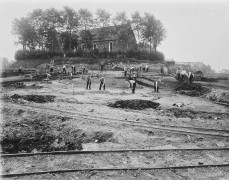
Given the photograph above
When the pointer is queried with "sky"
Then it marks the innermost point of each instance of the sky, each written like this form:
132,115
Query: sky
197,31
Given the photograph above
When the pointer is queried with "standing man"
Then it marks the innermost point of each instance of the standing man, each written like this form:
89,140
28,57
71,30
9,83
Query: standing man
88,82
102,83
125,71
190,77
51,69
133,84
147,68
64,69
73,69
156,86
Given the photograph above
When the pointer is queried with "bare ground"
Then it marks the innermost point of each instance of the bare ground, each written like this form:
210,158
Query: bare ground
81,119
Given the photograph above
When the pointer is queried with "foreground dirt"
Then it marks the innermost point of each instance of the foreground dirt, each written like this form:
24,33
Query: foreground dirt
81,119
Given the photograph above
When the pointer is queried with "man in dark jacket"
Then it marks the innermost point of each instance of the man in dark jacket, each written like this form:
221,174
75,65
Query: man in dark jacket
102,83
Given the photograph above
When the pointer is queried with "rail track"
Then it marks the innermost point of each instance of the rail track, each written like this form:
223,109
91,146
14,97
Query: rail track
116,168
159,127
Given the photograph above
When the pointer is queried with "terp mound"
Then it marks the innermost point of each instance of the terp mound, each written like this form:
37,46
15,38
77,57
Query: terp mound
136,104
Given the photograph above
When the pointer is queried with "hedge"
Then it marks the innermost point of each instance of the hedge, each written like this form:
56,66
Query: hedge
36,54
42,54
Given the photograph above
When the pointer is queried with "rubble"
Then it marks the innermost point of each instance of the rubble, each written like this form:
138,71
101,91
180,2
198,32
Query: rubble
136,104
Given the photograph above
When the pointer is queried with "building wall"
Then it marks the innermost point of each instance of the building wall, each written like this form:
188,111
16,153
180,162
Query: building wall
116,45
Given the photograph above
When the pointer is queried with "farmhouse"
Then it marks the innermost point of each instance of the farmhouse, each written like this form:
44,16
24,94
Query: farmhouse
112,39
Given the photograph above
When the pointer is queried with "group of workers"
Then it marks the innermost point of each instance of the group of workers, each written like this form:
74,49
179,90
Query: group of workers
101,85
183,76
136,70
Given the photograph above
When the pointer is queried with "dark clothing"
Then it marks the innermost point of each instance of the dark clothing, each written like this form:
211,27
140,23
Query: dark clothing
125,72
178,76
88,83
191,79
51,70
100,86
64,71
74,70
134,86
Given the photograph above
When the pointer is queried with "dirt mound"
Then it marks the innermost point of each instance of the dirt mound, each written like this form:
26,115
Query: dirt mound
34,98
136,104
185,113
192,89
45,134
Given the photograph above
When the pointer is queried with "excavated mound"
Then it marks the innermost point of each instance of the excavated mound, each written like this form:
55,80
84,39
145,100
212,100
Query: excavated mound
34,98
136,104
192,89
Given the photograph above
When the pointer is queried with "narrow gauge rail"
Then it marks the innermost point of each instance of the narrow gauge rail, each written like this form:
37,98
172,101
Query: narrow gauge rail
147,125
111,151
112,169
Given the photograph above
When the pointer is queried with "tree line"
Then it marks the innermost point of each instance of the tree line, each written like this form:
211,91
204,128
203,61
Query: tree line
65,29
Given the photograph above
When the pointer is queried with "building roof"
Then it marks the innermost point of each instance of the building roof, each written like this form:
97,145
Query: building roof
111,32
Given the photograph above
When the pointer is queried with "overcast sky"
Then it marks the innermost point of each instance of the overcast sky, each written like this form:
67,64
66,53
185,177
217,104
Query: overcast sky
197,31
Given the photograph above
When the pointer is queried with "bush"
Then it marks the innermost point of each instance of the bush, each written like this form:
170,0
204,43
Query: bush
36,54
137,54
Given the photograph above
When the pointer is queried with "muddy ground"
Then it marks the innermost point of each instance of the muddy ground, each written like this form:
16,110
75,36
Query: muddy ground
66,116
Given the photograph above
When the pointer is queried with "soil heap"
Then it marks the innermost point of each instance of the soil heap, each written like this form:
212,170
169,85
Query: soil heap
136,104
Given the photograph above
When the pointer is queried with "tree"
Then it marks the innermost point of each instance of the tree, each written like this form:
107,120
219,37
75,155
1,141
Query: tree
86,21
120,18
149,28
64,39
25,32
103,19
52,24
153,31
136,21
36,19
71,23
123,28
160,34
86,39
4,63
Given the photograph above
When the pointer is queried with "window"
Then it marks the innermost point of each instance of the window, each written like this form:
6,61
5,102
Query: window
110,46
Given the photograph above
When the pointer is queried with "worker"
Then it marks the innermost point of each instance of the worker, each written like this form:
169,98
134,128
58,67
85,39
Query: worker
51,69
84,69
102,83
156,86
133,84
64,69
74,69
190,77
147,68
88,82
178,75
125,71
